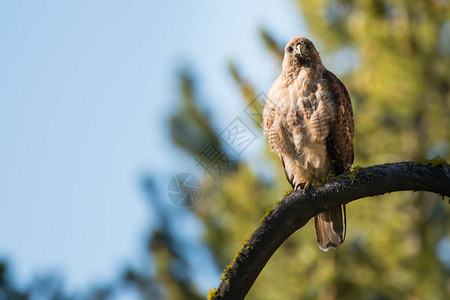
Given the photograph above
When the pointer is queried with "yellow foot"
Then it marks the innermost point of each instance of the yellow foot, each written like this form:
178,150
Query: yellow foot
307,185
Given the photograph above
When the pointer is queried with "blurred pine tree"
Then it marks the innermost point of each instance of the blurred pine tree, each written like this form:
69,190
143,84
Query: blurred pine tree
400,92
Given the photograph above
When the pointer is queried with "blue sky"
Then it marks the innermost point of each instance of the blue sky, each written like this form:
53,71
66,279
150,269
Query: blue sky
86,88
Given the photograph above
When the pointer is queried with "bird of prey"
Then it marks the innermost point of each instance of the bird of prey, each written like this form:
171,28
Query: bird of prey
308,121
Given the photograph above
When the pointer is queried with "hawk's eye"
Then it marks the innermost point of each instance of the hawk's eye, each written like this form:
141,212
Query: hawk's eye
290,49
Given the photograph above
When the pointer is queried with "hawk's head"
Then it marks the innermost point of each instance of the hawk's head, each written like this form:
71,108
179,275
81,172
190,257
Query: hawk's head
301,51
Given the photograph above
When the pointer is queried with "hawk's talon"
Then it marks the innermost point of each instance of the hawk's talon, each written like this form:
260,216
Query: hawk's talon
307,185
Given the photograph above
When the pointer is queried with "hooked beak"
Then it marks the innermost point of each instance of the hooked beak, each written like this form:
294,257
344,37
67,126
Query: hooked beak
299,50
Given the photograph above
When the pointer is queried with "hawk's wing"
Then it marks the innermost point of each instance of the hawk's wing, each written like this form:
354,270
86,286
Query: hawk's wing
340,138
330,225
270,113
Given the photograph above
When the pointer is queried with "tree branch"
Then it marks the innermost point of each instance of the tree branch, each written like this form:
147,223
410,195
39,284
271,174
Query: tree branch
295,210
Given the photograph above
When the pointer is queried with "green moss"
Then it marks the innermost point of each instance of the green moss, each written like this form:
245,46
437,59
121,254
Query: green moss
437,161
278,202
223,276
286,193
227,271
269,210
247,246
354,172
212,294
322,180
228,268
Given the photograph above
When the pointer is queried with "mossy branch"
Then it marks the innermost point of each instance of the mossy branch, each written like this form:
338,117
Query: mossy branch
298,207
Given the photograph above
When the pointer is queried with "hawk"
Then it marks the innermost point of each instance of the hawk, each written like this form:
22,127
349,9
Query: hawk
308,121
